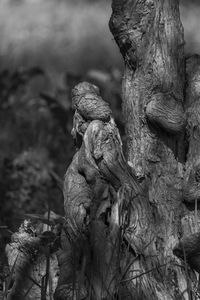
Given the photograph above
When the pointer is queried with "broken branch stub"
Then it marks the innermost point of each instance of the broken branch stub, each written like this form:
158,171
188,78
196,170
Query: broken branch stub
97,172
87,101
165,111
100,159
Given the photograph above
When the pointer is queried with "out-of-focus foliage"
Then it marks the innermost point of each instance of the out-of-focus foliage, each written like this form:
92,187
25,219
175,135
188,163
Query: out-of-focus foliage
34,148
190,14
70,34
59,35
28,185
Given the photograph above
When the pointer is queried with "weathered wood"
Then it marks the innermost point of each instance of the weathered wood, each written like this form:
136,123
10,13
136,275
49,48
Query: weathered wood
150,37
188,246
87,101
93,204
120,235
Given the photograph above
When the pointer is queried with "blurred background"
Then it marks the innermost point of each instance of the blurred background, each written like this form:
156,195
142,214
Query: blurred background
46,47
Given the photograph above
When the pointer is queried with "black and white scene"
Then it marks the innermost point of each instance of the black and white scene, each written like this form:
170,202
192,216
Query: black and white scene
99,149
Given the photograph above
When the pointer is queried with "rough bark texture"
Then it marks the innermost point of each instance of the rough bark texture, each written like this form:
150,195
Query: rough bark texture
131,227
150,37
97,188
188,247
191,192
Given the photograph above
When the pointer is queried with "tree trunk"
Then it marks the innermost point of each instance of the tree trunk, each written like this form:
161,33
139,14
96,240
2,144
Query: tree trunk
150,37
131,228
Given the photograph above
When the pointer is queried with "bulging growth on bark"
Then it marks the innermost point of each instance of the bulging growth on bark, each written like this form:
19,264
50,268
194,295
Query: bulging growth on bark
150,38
157,114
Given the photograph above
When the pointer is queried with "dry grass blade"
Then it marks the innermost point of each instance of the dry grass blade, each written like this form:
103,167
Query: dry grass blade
144,273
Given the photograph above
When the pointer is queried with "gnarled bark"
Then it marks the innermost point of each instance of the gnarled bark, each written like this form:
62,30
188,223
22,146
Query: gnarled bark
98,188
188,246
150,37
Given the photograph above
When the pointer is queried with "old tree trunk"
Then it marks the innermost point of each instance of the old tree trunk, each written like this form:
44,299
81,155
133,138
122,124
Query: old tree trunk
131,226
161,110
